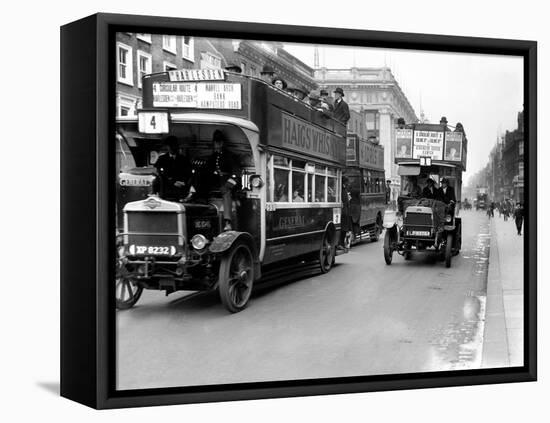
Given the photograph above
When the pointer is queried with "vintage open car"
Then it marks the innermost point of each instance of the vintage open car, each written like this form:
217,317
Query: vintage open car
422,225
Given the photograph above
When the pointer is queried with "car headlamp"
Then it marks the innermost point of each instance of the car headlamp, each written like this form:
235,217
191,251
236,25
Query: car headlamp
256,181
199,242
448,218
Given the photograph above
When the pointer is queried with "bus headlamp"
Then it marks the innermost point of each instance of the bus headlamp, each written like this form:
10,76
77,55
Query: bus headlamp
199,242
448,218
256,181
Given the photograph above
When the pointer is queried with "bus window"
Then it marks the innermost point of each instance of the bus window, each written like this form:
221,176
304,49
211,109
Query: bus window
298,187
320,188
309,188
281,185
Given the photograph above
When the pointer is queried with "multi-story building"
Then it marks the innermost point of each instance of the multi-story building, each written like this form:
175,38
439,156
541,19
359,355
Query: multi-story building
513,181
377,96
140,54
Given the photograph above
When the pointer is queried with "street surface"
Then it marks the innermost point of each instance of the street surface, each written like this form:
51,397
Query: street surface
362,318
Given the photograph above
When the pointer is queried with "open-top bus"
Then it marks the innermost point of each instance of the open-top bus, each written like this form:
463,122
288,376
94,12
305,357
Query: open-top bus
366,181
427,151
286,207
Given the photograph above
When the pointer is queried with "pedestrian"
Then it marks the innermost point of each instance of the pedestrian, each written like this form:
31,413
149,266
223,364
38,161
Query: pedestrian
346,213
341,108
518,216
174,172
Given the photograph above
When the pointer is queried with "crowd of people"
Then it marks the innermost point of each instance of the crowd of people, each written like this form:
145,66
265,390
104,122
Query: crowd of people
444,193
335,106
507,209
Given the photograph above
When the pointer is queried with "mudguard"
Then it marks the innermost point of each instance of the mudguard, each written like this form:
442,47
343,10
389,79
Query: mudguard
224,241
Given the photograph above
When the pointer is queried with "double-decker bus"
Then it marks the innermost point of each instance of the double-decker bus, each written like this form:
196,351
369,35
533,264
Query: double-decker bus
366,181
286,206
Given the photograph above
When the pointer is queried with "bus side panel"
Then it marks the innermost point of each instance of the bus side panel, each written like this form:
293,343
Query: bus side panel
249,218
294,232
371,205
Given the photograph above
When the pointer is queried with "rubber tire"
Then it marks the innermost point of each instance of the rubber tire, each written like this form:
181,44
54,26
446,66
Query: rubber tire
388,252
134,291
224,285
326,261
449,250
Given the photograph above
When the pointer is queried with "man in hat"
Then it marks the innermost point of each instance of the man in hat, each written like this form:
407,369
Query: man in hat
279,83
447,192
174,171
297,92
341,109
267,74
326,101
430,191
221,167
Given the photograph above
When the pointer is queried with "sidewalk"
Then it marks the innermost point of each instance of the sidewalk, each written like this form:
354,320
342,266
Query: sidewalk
503,338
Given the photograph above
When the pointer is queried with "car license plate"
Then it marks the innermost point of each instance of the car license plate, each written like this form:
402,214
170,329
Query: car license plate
418,233
151,250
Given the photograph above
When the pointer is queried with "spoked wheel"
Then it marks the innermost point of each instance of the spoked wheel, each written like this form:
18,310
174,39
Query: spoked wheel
127,293
449,250
326,253
388,250
377,230
236,277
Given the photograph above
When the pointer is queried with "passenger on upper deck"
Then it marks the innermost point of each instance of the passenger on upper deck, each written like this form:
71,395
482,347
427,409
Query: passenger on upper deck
327,102
279,83
174,170
267,74
341,108
222,168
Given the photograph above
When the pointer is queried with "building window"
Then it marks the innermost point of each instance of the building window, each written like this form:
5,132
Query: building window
124,64
144,65
243,67
188,44
209,61
169,66
169,43
125,106
144,37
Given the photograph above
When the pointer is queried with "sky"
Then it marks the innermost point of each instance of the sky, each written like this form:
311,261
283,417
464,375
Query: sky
483,92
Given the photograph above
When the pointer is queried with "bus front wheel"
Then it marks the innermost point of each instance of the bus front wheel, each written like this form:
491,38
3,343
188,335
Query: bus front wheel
236,277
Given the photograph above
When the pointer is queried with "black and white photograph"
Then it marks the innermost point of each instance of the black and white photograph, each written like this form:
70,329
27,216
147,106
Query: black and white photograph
295,211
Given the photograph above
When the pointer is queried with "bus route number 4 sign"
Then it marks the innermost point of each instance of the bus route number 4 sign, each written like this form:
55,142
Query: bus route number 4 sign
153,122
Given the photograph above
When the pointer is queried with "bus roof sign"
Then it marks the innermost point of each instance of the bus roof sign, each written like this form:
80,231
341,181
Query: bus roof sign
184,75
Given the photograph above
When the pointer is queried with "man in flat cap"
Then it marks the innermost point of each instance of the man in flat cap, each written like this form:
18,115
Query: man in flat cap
341,109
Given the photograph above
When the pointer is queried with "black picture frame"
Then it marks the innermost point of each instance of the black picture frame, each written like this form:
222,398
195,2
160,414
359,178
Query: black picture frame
87,235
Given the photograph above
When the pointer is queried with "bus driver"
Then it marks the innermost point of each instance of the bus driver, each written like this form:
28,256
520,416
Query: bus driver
221,167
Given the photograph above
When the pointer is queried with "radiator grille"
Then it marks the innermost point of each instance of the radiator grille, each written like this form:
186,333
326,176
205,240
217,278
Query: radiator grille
418,219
